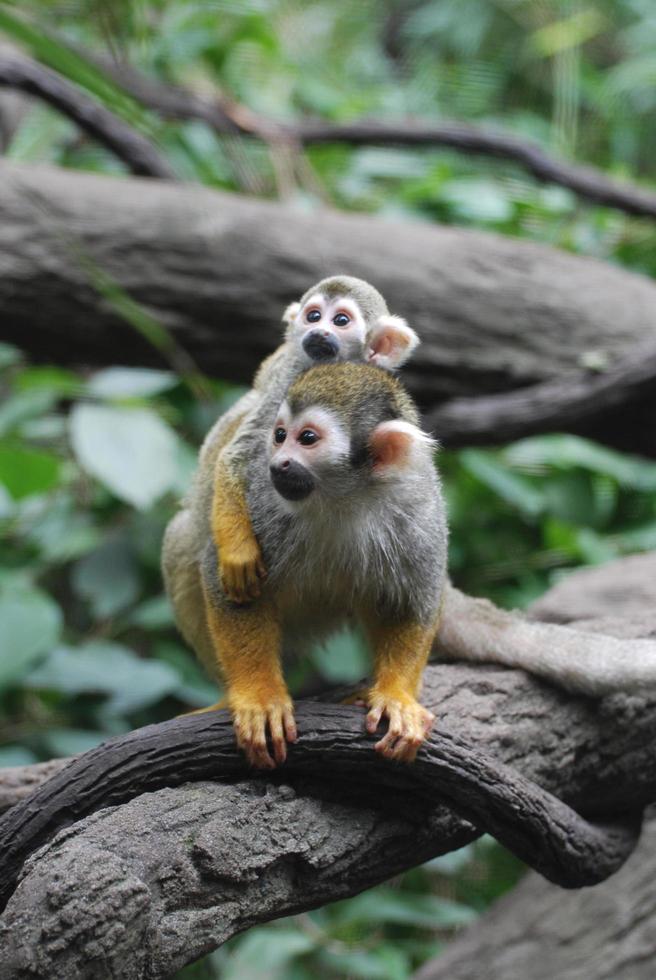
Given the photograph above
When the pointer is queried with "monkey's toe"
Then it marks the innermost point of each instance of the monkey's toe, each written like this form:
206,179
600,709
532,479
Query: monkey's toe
409,724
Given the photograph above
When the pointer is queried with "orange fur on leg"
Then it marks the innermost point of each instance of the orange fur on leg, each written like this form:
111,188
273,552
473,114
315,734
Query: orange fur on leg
247,645
240,562
401,653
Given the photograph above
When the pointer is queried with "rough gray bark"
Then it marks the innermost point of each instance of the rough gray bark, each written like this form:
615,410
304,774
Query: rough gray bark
538,932
494,314
137,891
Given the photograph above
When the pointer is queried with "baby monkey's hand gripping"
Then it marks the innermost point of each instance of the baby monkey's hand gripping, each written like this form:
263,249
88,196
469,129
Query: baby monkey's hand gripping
338,319
346,504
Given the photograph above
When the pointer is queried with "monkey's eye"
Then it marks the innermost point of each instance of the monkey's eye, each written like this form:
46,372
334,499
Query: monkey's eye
313,316
279,435
341,320
308,437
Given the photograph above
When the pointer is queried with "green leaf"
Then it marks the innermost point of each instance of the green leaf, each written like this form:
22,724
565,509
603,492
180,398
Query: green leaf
25,472
9,355
30,624
265,952
567,451
153,614
130,382
62,742
16,755
106,668
108,578
342,659
514,489
403,908
131,450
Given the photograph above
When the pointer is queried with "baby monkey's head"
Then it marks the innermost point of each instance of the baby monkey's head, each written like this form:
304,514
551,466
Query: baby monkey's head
346,319
345,428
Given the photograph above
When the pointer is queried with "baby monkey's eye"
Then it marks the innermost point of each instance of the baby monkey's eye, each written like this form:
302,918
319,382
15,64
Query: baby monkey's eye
308,437
341,320
313,316
279,435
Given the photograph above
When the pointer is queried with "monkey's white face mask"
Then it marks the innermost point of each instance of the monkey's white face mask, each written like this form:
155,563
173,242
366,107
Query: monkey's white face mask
330,329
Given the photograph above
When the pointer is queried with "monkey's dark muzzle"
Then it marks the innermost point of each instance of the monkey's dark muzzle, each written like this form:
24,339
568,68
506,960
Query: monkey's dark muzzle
320,346
291,480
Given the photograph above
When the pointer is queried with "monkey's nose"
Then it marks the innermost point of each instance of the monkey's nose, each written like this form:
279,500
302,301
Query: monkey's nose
321,345
291,479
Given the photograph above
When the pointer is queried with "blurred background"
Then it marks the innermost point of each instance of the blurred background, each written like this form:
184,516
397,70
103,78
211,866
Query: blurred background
88,648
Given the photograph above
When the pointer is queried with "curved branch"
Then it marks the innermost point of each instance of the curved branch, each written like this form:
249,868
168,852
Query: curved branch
566,404
544,832
226,117
139,155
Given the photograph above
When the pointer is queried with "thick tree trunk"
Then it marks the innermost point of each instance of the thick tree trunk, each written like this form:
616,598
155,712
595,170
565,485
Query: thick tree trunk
136,891
216,270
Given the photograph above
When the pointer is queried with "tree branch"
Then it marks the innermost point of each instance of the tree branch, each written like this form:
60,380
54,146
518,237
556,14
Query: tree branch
226,117
568,404
215,270
140,156
143,888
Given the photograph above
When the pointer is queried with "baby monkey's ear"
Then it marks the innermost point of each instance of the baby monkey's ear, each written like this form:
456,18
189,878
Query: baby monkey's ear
290,313
392,342
395,446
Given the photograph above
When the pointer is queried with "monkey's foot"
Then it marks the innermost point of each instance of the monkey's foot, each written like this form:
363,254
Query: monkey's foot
252,721
241,571
409,724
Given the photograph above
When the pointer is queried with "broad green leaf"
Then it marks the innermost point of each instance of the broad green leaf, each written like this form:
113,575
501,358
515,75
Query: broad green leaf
62,742
511,487
567,451
153,614
131,450
25,405
404,908
342,658
130,382
16,755
106,668
30,624
264,953
57,380
108,578
24,472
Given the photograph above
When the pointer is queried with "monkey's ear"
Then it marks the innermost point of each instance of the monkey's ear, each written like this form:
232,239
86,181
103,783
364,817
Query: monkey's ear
392,342
395,446
290,313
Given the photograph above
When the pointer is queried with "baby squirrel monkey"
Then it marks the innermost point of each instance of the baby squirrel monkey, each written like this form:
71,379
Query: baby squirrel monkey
339,319
346,505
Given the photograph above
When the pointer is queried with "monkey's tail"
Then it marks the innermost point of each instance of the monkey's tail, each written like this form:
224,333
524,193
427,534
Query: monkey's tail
582,662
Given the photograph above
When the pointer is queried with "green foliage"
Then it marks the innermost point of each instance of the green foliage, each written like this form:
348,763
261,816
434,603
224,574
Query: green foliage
91,465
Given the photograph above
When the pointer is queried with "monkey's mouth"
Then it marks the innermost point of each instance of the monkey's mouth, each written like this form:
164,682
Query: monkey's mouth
291,480
320,346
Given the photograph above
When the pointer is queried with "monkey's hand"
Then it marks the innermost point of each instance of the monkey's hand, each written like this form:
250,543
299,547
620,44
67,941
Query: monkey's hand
409,724
241,570
253,717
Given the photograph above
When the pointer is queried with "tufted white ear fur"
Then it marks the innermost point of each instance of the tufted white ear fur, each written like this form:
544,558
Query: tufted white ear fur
396,445
290,313
392,342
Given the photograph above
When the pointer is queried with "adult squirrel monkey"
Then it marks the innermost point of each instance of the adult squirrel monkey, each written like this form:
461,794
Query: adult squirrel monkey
346,505
338,319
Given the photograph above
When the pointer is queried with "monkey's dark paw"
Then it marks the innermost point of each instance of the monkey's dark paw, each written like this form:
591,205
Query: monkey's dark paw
409,724
241,575
252,725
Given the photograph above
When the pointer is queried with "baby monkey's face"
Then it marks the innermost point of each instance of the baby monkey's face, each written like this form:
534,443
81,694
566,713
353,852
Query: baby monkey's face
329,329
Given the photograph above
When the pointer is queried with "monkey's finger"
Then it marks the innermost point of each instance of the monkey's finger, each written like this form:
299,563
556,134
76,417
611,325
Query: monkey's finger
289,722
373,719
259,744
261,568
394,731
277,735
429,719
249,727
